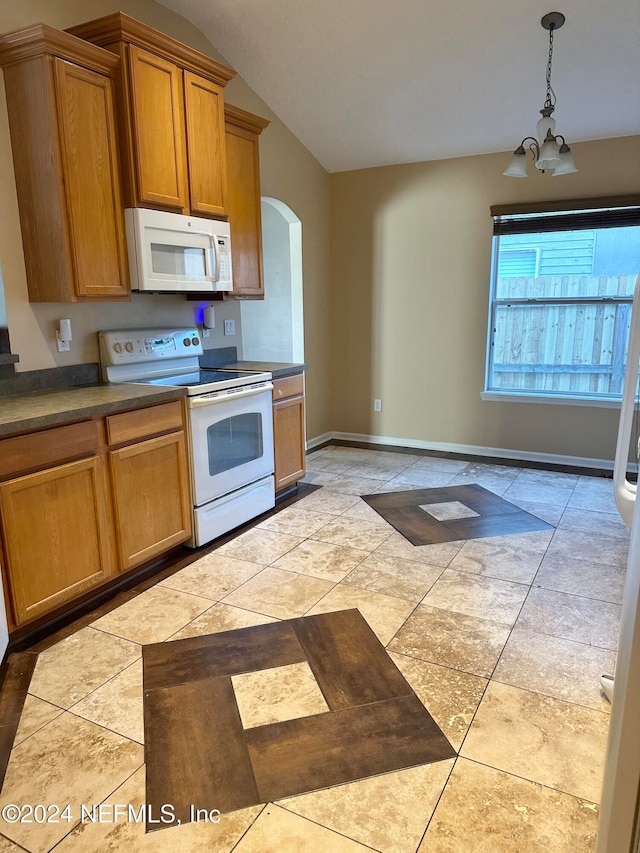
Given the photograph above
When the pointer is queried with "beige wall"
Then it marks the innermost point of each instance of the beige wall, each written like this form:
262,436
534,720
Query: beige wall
289,173
411,249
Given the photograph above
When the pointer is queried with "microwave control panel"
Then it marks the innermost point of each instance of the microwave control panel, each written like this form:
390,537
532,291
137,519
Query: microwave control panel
224,253
140,345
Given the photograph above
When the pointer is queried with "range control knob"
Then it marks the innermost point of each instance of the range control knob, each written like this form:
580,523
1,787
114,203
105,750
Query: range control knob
117,346
187,342
129,346
195,341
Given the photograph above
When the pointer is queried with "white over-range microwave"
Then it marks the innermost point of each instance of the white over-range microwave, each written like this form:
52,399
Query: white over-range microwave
173,253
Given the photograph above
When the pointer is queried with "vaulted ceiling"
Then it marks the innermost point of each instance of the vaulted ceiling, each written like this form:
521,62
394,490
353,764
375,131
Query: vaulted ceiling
367,83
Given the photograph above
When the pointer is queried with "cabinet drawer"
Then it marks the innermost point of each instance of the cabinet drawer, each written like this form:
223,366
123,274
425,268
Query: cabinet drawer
141,423
47,448
288,386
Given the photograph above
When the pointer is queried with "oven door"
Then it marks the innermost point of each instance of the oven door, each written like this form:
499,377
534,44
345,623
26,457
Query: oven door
231,439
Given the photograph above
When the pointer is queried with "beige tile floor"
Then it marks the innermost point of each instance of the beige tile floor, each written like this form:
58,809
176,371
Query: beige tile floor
503,639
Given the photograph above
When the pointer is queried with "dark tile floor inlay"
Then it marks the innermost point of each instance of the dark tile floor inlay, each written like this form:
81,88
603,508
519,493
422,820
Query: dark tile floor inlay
199,753
431,516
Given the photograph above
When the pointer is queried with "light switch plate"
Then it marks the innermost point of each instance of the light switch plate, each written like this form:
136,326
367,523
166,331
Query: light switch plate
229,327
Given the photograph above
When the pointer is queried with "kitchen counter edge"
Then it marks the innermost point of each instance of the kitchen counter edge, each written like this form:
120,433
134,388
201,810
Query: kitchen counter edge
23,413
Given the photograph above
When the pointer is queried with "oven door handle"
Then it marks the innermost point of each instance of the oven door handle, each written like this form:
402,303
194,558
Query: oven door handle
196,402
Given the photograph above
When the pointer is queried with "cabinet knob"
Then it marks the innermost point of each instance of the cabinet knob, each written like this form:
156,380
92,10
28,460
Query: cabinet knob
279,392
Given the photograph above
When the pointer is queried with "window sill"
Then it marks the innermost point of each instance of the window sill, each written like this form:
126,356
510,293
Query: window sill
553,399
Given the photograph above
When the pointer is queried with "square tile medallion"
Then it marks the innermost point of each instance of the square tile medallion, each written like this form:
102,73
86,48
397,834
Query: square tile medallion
273,695
452,513
249,716
449,511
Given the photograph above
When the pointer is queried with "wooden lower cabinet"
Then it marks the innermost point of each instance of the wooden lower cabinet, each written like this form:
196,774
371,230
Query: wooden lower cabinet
152,506
56,535
288,430
69,524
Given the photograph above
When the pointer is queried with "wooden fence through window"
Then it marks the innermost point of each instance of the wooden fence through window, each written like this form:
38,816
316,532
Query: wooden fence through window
572,339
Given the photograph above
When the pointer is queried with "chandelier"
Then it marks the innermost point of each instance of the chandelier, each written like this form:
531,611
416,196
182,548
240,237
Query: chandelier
549,150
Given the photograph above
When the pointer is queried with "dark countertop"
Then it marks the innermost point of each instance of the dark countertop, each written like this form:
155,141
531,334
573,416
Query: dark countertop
277,369
41,409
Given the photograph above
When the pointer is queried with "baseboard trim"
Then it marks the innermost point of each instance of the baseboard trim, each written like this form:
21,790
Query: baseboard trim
465,449
312,443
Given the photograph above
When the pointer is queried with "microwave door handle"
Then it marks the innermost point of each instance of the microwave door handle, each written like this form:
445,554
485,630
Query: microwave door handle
212,275
214,245
214,248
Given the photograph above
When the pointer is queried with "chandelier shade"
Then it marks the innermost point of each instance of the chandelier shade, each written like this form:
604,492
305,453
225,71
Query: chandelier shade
517,167
545,125
549,157
567,164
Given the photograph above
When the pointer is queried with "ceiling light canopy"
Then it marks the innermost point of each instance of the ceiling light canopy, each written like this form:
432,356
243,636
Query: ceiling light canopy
549,149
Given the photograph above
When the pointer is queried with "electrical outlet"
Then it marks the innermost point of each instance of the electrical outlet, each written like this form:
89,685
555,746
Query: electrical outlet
377,405
229,327
63,346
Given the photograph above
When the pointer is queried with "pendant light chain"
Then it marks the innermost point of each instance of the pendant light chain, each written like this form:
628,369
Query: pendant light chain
550,101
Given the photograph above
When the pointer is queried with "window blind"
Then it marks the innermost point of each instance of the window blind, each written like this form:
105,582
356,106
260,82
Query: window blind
566,215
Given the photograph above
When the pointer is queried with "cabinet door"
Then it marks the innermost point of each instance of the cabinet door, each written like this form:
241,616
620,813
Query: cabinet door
206,155
158,130
151,497
57,535
85,106
288,437
243,207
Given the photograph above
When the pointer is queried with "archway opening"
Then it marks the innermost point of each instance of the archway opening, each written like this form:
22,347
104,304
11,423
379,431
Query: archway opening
273,328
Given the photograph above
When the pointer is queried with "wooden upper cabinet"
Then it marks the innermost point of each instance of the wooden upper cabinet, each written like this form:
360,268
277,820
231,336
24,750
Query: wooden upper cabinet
171,110
204,112
158,130
94,207
242,130
60,101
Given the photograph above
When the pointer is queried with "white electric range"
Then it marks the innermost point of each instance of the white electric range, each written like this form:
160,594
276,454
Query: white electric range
230,422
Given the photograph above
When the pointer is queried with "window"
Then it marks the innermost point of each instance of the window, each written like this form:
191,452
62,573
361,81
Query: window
562,283
517,261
